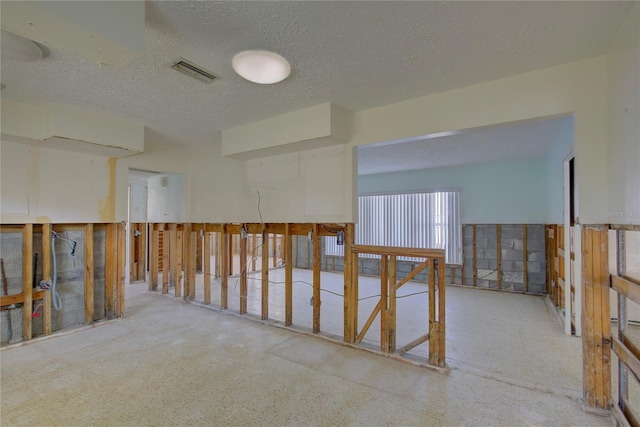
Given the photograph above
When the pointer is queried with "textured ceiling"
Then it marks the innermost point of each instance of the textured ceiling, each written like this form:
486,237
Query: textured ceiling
356,54
509,142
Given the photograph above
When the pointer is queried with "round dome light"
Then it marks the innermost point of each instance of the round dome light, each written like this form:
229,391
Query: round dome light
18,48
261,66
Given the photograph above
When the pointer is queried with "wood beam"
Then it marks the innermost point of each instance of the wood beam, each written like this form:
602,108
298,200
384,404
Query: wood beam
122,262
392,303
265,273
177,275
288,276
166,266
525,260
596,327
88,274
224,264
46,277
27,280
499,254
111,270
316,278
384,303
206,249
153,259
243,275
475,267
194,243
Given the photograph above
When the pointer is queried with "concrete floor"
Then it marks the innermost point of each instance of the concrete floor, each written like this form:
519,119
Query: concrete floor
172,363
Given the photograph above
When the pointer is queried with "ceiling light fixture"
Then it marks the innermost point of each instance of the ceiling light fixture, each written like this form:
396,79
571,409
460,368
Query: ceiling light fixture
261,66
18,48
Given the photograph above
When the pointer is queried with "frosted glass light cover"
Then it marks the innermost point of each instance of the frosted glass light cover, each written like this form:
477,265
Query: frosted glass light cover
18,48
261,66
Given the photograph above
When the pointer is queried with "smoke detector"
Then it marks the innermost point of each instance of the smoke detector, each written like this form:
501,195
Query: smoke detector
195,71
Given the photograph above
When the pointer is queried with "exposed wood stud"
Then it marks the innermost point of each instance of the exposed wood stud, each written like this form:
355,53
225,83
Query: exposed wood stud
180,263
111,270
46,277
207,267
384,303
475,267
462,269
316,278
243,276
187,258
254,250
27,280
274,248
433,343
288,276
199,241
122,260
224,264
88,273
525,260
392,303
166,267
349,332
499,254
230,255
194,243
265,275
596,328
154,250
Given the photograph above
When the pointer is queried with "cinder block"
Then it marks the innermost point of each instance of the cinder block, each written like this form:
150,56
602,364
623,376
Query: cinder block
536,256
537,279
536,288
534,267
512,254
507,286
482,263
535,245
511,276
506,243
488,274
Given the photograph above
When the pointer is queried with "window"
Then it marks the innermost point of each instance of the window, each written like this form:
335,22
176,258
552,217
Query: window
416,220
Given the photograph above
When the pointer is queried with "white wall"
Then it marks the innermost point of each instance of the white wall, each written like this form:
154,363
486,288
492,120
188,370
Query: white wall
138,201
578,87
164,198
157,157
490,193
623,63
46,185
301,187
555,173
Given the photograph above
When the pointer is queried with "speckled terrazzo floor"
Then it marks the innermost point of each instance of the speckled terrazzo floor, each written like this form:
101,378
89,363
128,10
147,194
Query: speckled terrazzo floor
171,363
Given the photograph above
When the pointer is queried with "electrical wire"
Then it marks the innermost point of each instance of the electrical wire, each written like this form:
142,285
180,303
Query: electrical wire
259,211
330,230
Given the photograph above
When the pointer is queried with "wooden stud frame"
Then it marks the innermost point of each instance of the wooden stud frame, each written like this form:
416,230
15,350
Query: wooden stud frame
596,327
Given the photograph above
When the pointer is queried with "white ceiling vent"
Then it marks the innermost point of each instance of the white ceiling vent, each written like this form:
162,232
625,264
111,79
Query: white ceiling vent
195,71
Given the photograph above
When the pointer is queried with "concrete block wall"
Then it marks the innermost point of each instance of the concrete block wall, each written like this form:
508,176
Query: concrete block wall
513,266
70,281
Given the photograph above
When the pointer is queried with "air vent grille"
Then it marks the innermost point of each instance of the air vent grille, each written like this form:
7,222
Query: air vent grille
195,71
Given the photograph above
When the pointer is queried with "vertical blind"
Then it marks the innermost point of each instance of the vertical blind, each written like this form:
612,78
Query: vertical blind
416,220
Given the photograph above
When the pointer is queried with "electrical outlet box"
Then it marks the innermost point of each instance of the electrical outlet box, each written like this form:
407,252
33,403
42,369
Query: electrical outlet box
340,238
243,233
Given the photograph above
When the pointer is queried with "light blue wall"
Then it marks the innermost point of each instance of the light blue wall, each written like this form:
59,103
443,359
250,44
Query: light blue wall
522,192
555,172
491,193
